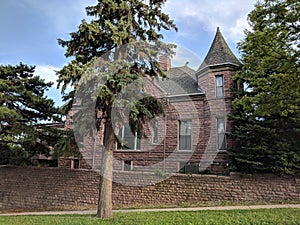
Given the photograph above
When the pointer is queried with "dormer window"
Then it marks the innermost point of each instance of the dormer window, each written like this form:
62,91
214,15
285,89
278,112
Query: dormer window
219,86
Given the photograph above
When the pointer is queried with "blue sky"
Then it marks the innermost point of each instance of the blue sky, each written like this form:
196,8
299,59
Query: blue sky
30,29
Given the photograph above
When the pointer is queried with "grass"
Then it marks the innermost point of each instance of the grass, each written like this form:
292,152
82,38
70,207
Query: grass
242,217
204,204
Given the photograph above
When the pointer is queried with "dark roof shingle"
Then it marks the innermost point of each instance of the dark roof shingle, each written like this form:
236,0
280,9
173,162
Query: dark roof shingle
180,81
219,53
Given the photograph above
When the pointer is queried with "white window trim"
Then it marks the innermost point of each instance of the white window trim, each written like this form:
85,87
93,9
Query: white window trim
217,134
178,135
135,141
123,165
153,130
216,86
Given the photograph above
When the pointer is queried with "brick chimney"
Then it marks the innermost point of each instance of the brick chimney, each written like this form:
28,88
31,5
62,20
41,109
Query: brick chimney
165,62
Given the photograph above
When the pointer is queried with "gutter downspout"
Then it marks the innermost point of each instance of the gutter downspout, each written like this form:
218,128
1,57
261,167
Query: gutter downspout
164,148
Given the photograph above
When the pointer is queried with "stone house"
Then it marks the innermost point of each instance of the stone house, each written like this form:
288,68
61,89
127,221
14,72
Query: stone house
191,137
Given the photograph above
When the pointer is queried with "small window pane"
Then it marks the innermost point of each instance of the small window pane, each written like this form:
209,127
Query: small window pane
129,137
138,139
127,165
185,127
76,163
219,81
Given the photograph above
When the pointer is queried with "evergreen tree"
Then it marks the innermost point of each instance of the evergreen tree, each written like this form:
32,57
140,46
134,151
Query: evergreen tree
23,110
266,115
115,23
65,145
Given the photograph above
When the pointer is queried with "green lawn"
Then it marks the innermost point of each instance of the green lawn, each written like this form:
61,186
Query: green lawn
243,217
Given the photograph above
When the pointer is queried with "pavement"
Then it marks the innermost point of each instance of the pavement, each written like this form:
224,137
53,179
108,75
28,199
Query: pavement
84,212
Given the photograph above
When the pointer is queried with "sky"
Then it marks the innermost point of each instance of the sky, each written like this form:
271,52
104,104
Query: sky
30,29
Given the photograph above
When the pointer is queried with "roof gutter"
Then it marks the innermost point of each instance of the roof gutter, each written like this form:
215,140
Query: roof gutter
184,95
217,65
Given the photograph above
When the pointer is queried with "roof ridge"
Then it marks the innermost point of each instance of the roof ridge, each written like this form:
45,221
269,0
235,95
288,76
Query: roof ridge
182,68
177,67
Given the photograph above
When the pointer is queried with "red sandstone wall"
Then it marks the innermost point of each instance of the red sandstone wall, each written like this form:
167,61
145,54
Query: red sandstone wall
46,188
202,110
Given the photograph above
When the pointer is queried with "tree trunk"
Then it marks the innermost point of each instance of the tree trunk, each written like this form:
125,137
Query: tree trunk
105,185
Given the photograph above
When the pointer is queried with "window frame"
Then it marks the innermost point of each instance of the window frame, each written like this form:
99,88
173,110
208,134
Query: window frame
137,143
154,129
180,135
127,165
188,168
219,87
221,135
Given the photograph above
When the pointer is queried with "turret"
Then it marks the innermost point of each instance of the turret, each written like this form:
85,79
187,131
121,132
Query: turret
216,71
215,79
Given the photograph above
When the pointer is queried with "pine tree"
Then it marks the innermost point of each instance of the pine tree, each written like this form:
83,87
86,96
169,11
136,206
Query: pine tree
23,110
115,24
266,114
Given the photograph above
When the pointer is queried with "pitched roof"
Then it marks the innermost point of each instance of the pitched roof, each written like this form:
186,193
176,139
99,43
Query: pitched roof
219,53
180,81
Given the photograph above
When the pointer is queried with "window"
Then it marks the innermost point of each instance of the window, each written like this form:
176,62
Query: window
219,86
221,134
185,135
128,140
74,163
70,121
127,166
236,85
188,168
154,127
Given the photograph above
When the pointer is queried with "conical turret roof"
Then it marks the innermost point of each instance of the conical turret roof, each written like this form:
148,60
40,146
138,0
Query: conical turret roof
219,53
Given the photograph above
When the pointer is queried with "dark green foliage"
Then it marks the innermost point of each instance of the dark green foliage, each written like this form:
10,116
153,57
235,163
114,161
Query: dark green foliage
23,107
144,110
266,116
115,34
66,145
115,24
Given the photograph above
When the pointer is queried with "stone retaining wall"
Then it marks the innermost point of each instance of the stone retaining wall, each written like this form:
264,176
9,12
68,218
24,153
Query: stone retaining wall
35,188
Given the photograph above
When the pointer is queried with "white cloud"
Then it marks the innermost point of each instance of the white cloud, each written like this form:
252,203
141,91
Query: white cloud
47,72
229,15
184,56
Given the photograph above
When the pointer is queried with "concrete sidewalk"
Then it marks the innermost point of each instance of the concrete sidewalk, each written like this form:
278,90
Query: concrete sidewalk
84,212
